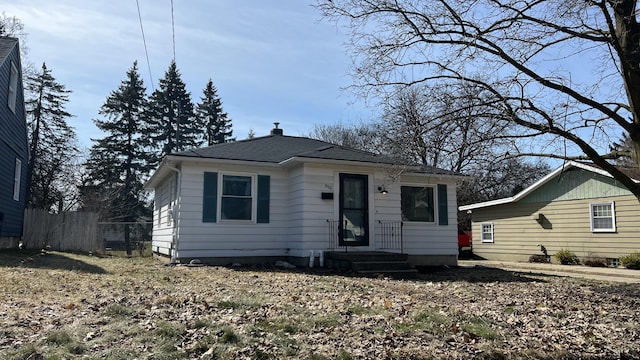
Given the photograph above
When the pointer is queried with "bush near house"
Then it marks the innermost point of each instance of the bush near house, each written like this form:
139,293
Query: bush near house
631,261
596,261
538,259
566,257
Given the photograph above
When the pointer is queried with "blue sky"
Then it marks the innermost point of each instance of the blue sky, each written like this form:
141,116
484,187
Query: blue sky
270,60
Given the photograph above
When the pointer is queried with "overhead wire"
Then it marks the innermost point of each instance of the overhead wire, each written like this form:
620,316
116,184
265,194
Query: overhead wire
144,41
173,33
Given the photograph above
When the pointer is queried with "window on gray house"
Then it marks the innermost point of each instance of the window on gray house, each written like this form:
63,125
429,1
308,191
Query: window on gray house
13,88
17,174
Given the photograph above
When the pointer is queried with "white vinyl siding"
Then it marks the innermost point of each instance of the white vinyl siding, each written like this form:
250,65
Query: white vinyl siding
603,217
298,213
487,232
17,174
13,88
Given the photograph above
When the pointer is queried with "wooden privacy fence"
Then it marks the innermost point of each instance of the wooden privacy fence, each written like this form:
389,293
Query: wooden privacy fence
67,231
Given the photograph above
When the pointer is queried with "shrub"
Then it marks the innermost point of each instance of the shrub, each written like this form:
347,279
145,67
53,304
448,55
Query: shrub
538,259
596,261
566,257
631,261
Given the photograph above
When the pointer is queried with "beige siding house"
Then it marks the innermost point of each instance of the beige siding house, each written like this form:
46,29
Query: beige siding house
280,197
578,207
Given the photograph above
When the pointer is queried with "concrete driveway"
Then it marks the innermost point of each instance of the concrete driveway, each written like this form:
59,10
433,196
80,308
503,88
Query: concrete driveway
586,272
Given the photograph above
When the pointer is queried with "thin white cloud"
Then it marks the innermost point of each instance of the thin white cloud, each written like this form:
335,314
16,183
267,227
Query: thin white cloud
271,61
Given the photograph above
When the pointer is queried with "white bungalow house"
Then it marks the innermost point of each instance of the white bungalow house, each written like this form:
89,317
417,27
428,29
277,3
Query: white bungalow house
280,197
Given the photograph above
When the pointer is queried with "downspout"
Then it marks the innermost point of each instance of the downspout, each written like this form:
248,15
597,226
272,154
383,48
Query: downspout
174,216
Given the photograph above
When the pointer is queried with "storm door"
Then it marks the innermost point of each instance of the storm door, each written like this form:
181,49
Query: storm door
354,210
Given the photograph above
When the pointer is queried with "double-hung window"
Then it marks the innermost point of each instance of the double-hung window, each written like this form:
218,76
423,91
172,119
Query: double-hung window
13,88
603,217
487,232
236,202
17,175
417,204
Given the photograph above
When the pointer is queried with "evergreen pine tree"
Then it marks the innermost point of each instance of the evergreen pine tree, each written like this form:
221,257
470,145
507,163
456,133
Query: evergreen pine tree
624,149
172,126
209,113
118,162
52,141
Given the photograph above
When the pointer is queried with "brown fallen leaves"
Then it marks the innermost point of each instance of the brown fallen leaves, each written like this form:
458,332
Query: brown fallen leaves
135,308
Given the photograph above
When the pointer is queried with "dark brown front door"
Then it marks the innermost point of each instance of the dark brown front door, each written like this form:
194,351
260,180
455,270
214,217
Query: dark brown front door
354,210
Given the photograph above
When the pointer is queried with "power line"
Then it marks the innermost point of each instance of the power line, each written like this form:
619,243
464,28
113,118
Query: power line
173,33
144,41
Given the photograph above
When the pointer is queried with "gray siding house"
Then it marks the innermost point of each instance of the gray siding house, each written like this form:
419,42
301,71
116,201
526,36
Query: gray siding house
14,153
578,207
280,197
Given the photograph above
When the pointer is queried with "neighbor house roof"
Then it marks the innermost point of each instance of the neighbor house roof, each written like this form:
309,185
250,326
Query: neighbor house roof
278,149
6,46
566,166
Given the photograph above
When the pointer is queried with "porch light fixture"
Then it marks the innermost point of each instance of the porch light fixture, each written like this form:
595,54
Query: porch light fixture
382,190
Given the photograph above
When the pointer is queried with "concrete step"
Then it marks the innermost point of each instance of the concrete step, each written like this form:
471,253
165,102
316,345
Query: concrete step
372,263
366,256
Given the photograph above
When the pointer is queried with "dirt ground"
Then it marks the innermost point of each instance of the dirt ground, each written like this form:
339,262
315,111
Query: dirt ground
64,306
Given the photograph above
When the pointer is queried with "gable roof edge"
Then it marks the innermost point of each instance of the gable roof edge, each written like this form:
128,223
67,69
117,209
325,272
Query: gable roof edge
537,184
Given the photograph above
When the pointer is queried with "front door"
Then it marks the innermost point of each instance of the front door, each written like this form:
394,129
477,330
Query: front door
354,210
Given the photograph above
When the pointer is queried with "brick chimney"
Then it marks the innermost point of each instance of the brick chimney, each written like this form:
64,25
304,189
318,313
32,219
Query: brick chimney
276,130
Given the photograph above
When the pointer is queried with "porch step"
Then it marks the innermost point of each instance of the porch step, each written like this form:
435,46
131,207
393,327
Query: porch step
372,263
367,256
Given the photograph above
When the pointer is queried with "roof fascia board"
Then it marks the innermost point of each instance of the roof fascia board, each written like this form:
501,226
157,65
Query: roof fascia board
413,170
522,193
331,161
569,164
174,160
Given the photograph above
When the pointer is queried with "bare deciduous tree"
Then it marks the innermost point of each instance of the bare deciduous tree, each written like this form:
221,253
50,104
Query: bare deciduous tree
444,127
566,73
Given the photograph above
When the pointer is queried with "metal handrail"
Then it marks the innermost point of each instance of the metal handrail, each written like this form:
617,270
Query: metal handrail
391,235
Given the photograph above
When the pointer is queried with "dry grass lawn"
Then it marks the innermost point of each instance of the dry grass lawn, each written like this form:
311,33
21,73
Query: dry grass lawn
63,306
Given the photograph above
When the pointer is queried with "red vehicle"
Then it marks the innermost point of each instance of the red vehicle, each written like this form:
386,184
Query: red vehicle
464,241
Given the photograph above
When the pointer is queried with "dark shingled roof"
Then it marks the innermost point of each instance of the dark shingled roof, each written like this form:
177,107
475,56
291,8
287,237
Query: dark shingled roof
6,45
278,148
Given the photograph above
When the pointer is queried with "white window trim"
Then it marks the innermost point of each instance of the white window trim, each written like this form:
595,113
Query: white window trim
613,217
435,202
13,88
254,198
482,225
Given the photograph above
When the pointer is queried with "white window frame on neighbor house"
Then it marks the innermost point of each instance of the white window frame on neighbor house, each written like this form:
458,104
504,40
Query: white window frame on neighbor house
17,175
486,229
432,205
13,88
610,213
252,196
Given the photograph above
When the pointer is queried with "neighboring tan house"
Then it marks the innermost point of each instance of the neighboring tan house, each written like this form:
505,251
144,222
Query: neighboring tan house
14,152
280,197
578,207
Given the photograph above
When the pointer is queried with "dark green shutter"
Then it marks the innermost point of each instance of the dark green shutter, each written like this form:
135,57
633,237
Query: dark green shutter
264,185
443,212
210,198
